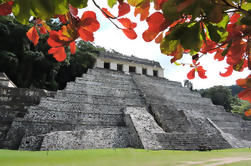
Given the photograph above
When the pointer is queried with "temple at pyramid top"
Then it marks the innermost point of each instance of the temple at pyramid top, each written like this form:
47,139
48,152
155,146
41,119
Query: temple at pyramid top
129,64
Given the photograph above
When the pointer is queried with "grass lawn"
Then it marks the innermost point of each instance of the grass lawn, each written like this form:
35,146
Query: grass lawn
125,157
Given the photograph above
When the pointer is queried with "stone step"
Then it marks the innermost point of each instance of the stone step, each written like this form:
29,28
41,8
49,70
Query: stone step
107,80
78,117
33,128
223,124
228,117
242,133
113,137
104,84
118,92
79,87
111,94
200,107
105,100
82,108
177,100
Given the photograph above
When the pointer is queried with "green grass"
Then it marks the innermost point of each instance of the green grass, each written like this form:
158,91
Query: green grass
118,157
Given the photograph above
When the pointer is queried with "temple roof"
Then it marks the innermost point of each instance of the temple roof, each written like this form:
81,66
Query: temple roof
118,56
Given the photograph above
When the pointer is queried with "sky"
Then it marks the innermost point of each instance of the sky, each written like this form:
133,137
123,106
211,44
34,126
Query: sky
109,37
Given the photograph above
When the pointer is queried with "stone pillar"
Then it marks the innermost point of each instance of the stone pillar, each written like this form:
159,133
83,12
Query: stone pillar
113,66
149,71
99,63
125,68
161,73
138,70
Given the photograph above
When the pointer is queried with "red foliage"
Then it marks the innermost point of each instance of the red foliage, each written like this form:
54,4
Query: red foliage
130,33
245,83
6,8
83,28
228,72
58,53
143,10
156,23
33,35
199,69
124,8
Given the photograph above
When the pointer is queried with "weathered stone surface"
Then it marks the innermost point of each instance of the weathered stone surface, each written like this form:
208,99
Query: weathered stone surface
96,138
111,109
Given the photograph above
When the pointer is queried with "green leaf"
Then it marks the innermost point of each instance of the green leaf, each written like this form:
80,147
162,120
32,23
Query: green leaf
167,45
213,33
191,38
61,7
246,6
224,22
21,10
44,9
169,9
134,2
78,3
111,3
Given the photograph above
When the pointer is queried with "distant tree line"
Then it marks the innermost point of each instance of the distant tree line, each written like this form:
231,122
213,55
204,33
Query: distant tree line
227,97
30,66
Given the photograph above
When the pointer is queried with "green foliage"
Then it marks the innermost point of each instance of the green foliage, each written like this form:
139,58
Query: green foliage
29,66
219,95
111,3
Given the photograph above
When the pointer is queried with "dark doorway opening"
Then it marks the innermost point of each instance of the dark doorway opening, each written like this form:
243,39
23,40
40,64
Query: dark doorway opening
155,73
144,71
107,65
119,67
132,69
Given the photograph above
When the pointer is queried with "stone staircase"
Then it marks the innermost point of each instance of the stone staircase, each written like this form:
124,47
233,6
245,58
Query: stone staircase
91,103
13,104
111,109
164,96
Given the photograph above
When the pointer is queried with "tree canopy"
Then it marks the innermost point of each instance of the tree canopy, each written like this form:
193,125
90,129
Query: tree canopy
195,27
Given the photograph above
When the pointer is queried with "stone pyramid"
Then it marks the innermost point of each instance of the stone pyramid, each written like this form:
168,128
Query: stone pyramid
111,109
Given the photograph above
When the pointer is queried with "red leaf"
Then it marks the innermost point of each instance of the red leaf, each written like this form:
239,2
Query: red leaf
73,10
62,19
58,53
244,83
127,23
234,18
42,30
73,47
124,8
33,35
228,72
86,35
130,33
6,8
107,13
149,35
89,21
201,72
54,40
248,112
159,38
191,74
218,55
155,21
143,10
245,95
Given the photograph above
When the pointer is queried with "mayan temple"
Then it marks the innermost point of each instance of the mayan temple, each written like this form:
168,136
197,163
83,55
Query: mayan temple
122,102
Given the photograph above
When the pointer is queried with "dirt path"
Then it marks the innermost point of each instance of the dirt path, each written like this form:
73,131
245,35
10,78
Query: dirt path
217,162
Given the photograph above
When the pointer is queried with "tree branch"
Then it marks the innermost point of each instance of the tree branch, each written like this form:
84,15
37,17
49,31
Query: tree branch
108,16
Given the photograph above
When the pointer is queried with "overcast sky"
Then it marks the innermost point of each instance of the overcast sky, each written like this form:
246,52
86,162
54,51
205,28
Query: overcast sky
110,37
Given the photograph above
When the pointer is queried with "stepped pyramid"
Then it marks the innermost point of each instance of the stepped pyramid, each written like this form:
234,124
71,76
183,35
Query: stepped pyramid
111,109
134,107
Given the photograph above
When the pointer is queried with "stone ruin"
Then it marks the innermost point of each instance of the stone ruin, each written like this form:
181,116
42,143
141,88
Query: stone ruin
107,108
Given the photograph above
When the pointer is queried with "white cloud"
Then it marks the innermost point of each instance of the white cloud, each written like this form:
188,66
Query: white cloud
112,38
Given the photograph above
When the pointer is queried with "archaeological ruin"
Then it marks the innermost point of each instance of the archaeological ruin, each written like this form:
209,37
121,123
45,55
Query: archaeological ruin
122,102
